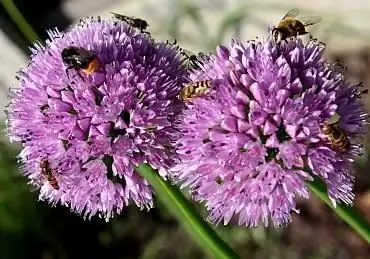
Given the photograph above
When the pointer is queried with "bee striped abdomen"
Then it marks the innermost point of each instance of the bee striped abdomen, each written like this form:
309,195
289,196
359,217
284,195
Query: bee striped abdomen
337,137
195,89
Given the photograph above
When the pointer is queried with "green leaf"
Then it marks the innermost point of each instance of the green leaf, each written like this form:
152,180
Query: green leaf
19,20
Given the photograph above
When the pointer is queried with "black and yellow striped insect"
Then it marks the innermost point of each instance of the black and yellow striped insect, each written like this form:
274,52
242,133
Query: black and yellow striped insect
194,89
337,136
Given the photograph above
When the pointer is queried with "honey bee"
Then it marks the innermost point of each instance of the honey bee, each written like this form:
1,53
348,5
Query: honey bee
194,89
132,21
49,173
337,136
80,59
290,26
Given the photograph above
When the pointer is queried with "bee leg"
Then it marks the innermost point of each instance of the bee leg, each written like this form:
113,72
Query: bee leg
67,71
145,32
126,21
277,35
77,72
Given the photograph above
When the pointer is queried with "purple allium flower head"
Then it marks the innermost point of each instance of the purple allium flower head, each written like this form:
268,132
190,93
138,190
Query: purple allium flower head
95,128
248,146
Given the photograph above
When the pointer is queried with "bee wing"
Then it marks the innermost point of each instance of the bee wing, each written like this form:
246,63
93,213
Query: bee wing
33,187
310,20
189,59
291,14
334,119
118,16
204,57
187,53
85,52
357,140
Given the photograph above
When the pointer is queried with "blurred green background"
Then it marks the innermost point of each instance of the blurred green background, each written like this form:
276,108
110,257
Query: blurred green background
33,229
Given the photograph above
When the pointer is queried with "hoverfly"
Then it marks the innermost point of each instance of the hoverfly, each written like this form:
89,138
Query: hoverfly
132,21
194,89
49,173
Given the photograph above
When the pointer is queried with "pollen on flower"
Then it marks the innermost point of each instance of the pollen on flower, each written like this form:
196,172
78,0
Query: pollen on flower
95,102
248,146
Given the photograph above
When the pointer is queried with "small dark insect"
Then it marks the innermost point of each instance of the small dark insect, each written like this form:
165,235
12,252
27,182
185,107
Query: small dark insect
80,59
174,42
190,62
337,136
360,92
290,26
134,22
49,173
194,89
193,61
44,108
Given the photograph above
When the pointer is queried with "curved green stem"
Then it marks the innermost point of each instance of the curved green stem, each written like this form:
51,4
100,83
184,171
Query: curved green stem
19,20
185,212
348,214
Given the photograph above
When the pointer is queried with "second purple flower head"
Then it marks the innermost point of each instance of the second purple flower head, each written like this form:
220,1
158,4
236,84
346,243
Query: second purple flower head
276,115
